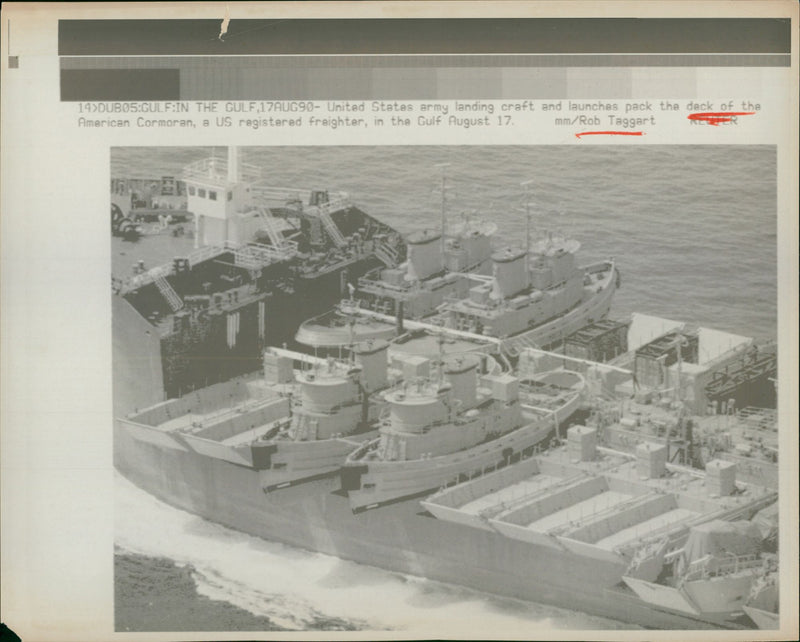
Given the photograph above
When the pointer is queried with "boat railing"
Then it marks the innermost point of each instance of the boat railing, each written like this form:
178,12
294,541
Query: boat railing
376,286
251,255
603,512
514,503
336,202
265,253
282,194
145,278
208,252
224,414
710,566
216,170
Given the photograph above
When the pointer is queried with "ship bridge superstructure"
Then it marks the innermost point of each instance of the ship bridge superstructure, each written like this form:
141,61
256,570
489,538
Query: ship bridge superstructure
528,287
233,201
440,265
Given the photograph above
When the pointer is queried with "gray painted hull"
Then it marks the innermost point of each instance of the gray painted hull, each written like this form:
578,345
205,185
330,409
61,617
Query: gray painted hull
398,537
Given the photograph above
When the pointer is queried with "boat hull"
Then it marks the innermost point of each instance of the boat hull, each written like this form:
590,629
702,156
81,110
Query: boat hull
763,619
393,479
718,596
399,537
293,462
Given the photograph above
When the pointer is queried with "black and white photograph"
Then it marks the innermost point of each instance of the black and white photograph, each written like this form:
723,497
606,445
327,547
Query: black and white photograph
399,320
357,388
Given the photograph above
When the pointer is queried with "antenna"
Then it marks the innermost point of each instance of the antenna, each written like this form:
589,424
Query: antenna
443,167
526,186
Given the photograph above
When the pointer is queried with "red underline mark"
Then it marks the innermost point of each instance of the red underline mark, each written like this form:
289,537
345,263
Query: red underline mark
609,133
717,117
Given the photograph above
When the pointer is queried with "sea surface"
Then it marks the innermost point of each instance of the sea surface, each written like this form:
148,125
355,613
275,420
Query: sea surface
693,229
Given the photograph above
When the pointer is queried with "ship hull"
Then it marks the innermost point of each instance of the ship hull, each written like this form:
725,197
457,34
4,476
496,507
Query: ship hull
763,619
296,461
399,537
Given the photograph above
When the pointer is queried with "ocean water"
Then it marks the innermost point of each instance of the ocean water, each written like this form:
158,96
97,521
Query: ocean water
693,229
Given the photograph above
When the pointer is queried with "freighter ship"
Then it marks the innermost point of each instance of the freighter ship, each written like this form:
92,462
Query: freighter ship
264,259
591,510
536,501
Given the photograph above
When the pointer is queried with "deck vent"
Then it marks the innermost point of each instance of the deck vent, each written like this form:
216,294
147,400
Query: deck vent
721,477
651,460
582,443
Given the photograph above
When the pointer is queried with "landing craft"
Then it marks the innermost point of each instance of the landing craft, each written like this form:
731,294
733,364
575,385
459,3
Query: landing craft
602,520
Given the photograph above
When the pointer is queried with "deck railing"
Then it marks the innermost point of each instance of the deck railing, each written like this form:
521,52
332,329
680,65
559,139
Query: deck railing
713,567
215,170
250,256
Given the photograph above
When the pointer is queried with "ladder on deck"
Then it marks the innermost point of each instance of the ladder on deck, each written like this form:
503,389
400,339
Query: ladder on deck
175,302
330,225
385,253
275,235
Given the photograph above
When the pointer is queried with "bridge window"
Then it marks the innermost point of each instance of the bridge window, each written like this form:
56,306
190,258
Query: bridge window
191,190
201,193
230,196
212,195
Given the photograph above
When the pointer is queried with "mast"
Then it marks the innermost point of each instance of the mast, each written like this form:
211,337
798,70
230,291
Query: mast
527,228
526,185
233,164
443,167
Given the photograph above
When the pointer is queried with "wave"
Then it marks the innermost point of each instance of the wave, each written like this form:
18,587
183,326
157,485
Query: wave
300,590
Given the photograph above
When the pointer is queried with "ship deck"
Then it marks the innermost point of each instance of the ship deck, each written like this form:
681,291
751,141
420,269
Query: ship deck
748,437
152,248
573,513
232,413
666,519
508,494
599,508
197,421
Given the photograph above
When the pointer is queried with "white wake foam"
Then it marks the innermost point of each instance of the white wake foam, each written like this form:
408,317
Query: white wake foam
300,590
